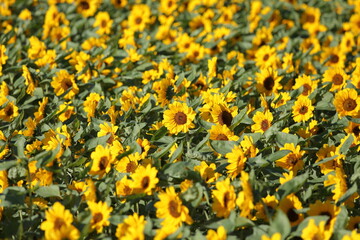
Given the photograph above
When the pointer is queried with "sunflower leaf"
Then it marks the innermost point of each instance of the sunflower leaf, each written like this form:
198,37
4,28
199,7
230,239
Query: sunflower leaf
48,191
280,224
291,186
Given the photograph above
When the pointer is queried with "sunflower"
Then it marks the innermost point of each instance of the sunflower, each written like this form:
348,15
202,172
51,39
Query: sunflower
353,128
171,209
219,234
100,213
245,199
325,209
87,8
268,81
58,223
66,111
223,133
270,203
223,114
179,118
29,82
10,110
313,231
289,206
223,198
333,57
307,83
293,160
129,163
108,129
247,144
101,161
103,22
336,77
119,3
302,109
64,82
207,172
124,188
90,104
354,223
168,6
347,102
145,179
236,159
262,121
329,151
87,188
132,228
212,67
265,57
139,17
3,57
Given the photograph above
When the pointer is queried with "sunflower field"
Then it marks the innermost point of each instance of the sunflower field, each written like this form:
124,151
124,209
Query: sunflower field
180,119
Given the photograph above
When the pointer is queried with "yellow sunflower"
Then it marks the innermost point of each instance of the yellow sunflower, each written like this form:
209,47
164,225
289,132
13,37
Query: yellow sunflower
145,179
222,132
268,81
87,8
307,83
100,212
219,234
245,199
62,82
289,206
29,82
132,228
128,164
171,209
313,231
347,102
262,121
207,172
293,160
265,57
58,223
179,118
222,114
336,77
139,17
102,160
90,104
270,203
224,198
10,110
124,188
103,22
236,159
302,109
325,209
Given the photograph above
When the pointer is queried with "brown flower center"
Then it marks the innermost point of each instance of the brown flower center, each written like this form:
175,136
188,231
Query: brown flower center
84,5
9,111
356,131
59,223
180,118
337,79
170,3
265,125
138,20
307,89
145,182
334,58
266,57
173,209
103,23
130,167
68,84
303,110
97,217
269,83
225,118
222,137
310,18
196,54
103,162
292,159
226,199
349,104
327,214
292,215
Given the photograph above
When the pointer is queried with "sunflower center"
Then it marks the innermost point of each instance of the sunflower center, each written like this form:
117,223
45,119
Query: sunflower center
266,57
307,89
103,24
225,118
170,3
337,79
138,20
196,54
269,83
303,110
334,58
145,182
68,84
356,131
180,118
9,111
110,139
292,159
349,104
326,214
186,45
265,125
222,137
58,223
130,167
226,199
173,209
98,217
292,215
310,18
84,5
103,163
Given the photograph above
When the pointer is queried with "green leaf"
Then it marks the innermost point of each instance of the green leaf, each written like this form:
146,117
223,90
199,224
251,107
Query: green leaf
159,134
347,194
277,155
291,186
280,224
178,170
20,145
346,145
222,147
5,165
48,191
326,160
177,153
163,151
93,142
283,138
238,118
46,157
12,196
